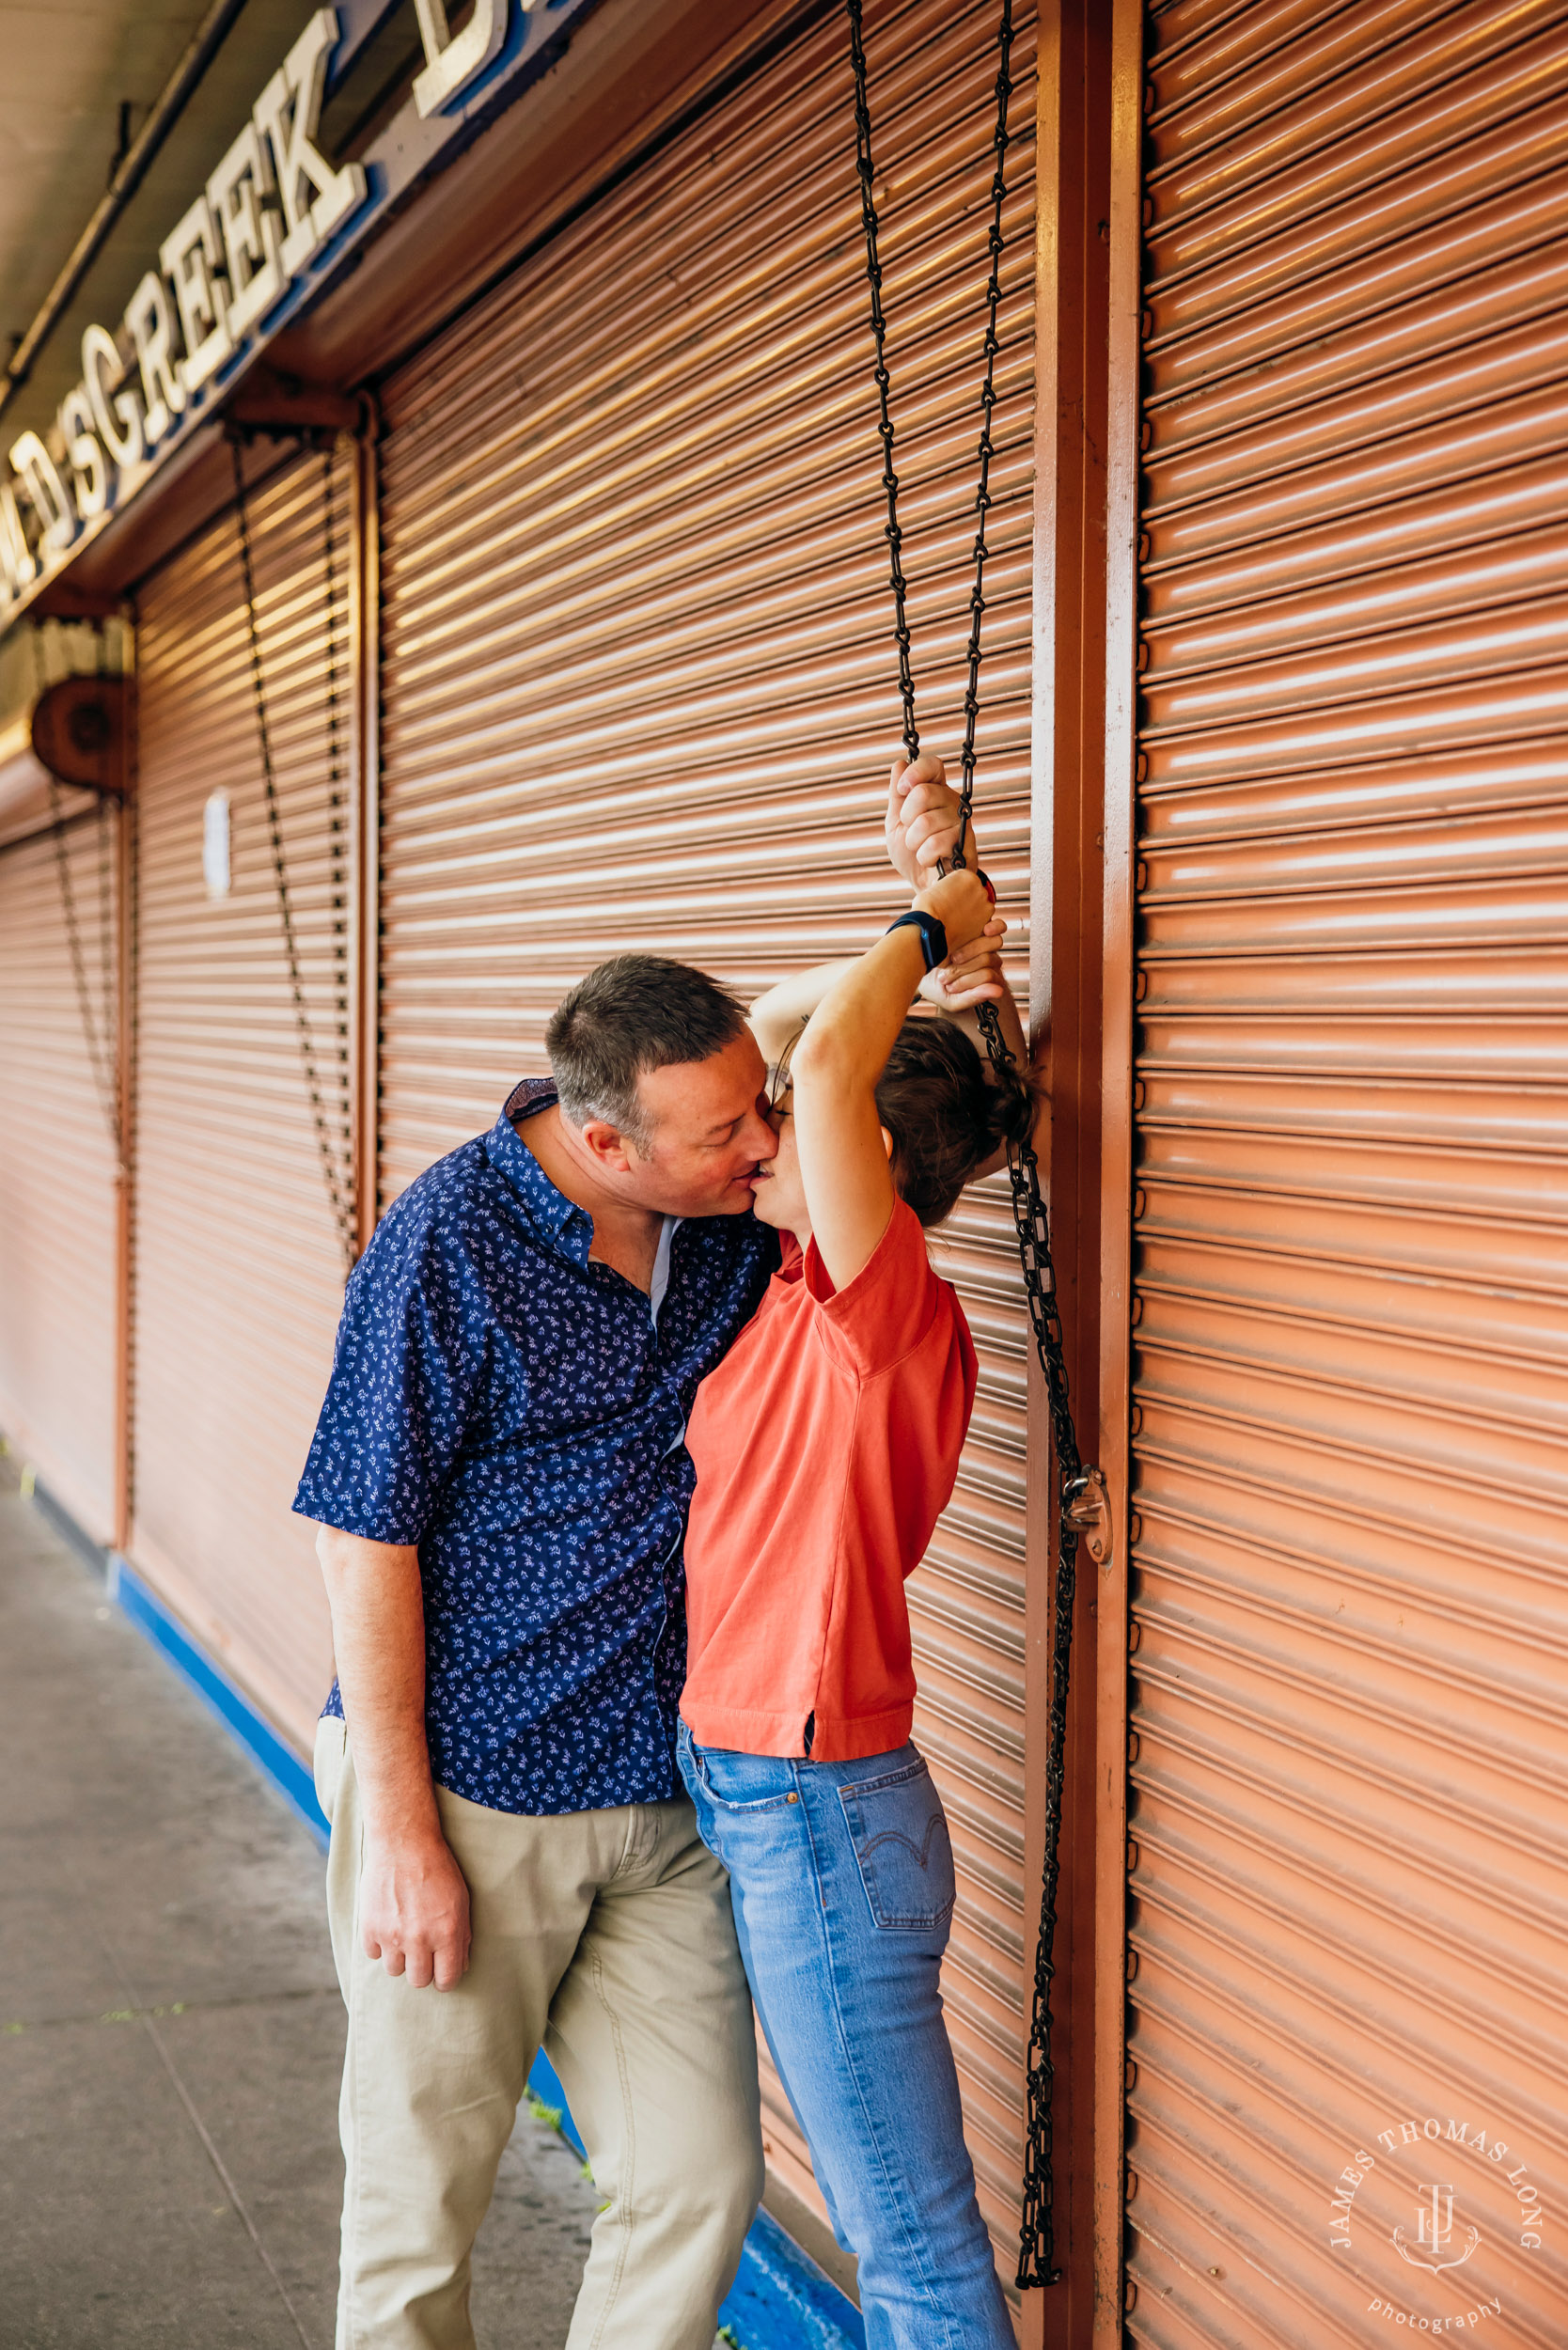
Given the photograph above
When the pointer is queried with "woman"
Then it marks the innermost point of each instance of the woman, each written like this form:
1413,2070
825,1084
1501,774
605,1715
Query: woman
825,1446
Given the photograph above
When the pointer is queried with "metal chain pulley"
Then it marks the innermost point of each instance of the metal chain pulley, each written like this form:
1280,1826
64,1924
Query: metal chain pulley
1081,1491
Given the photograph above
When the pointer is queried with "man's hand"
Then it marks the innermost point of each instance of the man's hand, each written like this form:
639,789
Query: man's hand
922,827
414,1911
413,1900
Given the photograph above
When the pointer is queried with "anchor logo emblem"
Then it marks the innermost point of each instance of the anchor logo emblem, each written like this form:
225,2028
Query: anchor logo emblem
1435,2233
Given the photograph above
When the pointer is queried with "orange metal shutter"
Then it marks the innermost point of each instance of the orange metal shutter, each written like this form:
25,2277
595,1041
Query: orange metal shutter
58,1160
639,691
1348,1833
239,1266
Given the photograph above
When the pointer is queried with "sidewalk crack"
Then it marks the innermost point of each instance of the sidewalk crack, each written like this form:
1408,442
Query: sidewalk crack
146,2017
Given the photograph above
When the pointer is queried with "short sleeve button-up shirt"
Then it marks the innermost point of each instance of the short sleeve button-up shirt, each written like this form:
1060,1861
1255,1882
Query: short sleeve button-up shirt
519,1413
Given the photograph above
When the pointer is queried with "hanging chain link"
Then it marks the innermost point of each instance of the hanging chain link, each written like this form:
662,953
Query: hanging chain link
1079,1489
342,1210
884,380
102,1056
336,777
988,407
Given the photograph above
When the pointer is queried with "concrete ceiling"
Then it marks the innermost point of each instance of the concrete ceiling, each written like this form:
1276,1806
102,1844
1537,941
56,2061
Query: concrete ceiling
59,120
70,67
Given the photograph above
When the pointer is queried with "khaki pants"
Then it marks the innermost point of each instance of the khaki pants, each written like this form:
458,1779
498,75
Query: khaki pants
607,1938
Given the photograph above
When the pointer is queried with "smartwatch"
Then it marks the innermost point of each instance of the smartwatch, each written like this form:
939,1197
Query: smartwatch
933,937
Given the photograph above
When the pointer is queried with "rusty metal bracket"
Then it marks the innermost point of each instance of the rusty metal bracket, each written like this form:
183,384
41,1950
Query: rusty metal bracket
1087,1507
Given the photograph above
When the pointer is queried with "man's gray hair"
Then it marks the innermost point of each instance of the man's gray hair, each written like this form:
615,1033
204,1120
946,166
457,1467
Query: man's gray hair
632,1015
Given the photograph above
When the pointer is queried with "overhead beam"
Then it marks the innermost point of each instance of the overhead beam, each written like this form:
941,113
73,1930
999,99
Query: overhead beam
271,399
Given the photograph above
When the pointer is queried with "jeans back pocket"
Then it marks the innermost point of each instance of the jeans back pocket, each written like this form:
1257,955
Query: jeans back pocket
905,1855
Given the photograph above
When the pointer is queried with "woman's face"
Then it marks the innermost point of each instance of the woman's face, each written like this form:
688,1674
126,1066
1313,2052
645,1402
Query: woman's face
778,1196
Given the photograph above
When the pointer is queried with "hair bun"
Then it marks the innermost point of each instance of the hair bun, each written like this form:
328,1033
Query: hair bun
946,1118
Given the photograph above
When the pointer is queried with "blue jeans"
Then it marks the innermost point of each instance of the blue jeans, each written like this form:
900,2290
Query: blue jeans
842,1876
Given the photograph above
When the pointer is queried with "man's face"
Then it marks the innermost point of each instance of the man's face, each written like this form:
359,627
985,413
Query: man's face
708,1133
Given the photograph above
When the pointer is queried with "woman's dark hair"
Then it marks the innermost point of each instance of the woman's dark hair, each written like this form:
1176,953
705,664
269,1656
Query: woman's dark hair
944,1115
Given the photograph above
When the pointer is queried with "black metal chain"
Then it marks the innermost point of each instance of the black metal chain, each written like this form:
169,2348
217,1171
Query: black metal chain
337,771
988,407
101,1057
341,1205
1036,2263
884,380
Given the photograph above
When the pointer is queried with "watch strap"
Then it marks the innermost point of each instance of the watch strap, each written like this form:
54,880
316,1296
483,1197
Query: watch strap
933,937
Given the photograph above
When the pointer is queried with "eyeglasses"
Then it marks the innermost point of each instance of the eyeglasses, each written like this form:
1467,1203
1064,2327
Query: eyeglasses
781,1083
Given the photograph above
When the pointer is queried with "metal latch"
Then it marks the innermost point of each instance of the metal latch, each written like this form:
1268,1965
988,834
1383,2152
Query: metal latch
1085,1508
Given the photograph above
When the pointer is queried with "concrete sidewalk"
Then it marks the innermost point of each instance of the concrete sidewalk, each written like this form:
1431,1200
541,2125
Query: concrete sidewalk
170,2028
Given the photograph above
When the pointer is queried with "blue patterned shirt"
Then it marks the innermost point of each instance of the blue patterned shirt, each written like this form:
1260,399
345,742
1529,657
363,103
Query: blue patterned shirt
519,1413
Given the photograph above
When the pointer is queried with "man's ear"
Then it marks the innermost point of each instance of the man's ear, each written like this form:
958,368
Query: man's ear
606,1146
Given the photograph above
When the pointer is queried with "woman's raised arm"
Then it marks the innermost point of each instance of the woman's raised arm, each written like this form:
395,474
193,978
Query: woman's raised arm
839,1135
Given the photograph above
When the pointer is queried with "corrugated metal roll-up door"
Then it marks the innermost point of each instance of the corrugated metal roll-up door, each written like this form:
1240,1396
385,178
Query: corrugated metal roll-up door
639,691
1349,2073
58,1162
239,1263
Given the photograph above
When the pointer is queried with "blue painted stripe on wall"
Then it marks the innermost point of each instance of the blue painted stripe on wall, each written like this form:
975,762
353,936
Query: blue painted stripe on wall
545,2083
780,2299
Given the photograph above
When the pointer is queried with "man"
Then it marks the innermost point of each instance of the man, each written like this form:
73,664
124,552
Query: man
501,1485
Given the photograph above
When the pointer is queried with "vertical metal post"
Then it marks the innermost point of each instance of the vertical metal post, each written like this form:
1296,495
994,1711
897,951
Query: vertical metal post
124,1052
1117,1166
365,827
1066,950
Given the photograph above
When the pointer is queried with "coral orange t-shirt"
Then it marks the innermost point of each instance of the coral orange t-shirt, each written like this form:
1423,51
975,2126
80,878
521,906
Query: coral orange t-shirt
825,1444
